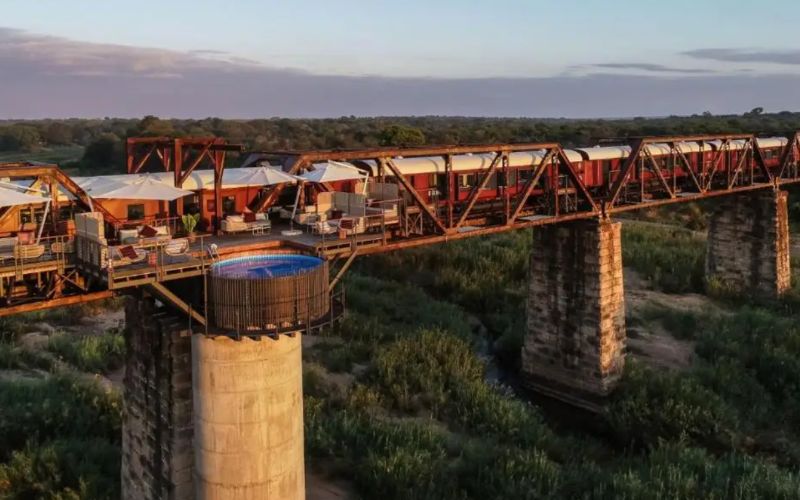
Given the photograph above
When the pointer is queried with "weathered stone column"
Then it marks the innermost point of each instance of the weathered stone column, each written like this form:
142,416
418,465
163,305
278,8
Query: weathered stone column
157,454
248,418
748,244
575,340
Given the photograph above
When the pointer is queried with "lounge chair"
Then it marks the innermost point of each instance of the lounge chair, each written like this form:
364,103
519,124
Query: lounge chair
177,247
324,227
28,252
62,247
126,255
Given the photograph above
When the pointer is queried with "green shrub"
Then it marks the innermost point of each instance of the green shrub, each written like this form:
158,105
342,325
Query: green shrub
671,258
92,353
80,469
650,407
55,407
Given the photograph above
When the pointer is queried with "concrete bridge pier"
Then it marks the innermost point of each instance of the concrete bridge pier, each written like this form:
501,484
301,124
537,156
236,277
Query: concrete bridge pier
209,417
248,418
575,341
748,244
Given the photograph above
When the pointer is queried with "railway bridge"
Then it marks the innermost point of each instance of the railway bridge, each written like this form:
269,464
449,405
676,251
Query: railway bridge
213,383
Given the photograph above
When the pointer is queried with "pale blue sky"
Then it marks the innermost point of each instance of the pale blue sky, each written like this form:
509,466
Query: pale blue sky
252,58
440,38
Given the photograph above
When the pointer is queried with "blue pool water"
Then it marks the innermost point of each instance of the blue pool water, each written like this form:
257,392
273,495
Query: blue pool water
265,266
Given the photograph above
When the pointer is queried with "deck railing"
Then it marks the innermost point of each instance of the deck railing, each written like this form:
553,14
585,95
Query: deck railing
25,258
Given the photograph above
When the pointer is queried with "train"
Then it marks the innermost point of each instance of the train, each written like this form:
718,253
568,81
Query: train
435,184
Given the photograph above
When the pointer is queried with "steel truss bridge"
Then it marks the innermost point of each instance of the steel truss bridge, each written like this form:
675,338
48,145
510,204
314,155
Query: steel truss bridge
554,192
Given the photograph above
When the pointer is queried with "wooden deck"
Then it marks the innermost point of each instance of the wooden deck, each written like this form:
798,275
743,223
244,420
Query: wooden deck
198,258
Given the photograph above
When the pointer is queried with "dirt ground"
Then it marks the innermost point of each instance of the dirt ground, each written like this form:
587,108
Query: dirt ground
649,341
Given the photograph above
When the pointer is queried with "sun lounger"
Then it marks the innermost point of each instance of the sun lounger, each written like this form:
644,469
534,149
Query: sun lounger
177,247
126,255
28,252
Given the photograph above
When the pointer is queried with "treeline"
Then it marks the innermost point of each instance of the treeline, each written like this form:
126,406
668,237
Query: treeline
103,139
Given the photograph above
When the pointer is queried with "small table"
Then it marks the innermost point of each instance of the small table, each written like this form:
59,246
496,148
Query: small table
260,229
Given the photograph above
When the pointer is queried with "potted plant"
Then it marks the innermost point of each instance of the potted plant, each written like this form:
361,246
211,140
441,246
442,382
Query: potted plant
189,224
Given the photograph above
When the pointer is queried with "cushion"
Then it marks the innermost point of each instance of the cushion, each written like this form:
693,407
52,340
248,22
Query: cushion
148,232
162,230
235,218
261,216
128,252
249,217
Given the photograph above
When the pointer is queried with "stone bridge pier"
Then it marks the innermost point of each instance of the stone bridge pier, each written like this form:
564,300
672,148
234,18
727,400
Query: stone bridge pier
748,245
209,417
574,345
575,341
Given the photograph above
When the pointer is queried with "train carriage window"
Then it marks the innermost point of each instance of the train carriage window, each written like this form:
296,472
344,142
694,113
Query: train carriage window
492,182
512,178
465,181
229,205
442,184
768,154
191,204
136,211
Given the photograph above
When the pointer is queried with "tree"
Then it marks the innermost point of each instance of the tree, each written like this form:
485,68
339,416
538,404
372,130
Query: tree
104,154
20,138
58,134
152,126
401,135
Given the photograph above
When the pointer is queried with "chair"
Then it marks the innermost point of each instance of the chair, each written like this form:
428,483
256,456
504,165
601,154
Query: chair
28,252
177,247
323,227
126,255
62,247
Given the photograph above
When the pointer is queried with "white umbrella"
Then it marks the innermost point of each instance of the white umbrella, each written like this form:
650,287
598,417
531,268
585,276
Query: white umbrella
11,198
332,171
257,176
143,188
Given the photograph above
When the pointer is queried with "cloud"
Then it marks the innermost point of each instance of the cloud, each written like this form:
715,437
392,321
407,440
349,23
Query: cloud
45,76
61,56
649,67
790,57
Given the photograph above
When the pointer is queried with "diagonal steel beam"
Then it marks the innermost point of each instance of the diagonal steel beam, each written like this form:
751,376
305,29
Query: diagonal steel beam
718,156
688,167
138,166
788,153
625,172
413,192
473,196
574,177
739,164
531,184
344,268
186,172
653,167
300,163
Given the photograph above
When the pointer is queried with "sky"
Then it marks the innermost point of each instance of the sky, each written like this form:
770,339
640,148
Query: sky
315,58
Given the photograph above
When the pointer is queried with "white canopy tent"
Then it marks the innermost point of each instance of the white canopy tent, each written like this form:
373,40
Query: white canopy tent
11,198
332,171
143,188
258,176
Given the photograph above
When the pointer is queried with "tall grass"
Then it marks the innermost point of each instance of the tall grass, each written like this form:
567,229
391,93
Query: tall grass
91,353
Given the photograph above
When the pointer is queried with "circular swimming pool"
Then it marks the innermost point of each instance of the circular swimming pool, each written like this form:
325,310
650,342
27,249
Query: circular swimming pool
265,266
268,292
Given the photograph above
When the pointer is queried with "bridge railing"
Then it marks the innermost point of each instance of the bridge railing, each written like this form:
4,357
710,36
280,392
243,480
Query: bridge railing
48,251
